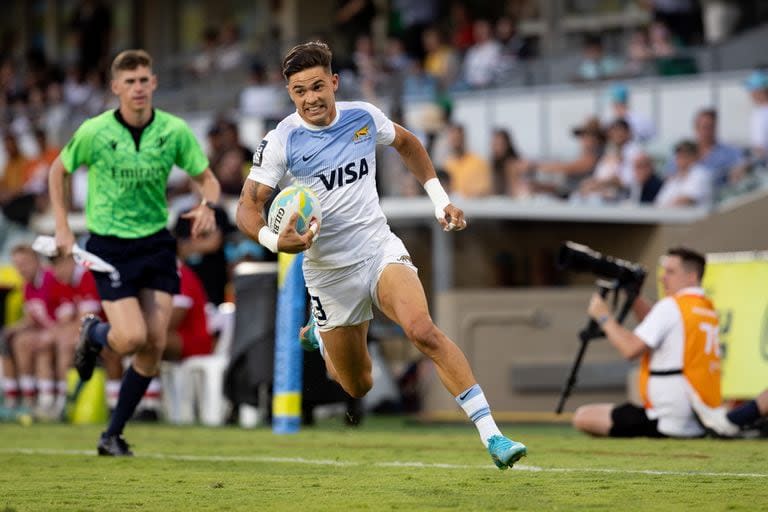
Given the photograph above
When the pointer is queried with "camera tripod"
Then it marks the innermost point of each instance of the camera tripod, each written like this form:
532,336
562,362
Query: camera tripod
593,331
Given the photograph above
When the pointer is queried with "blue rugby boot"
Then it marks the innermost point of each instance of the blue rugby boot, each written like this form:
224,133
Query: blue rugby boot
505,452
307,338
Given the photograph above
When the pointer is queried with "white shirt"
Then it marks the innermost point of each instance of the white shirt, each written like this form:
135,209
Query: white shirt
759,127
696,184
623,168
338,162
481,62
662,331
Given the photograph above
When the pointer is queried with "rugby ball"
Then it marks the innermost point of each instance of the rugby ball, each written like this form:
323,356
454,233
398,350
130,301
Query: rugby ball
294,199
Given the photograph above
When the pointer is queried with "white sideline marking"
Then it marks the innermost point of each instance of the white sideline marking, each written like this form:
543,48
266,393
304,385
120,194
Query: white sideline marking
424,465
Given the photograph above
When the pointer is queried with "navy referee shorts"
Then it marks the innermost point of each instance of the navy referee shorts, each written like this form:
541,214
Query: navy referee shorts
148,262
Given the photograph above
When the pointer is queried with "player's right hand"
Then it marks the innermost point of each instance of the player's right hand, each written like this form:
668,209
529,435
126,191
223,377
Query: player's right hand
291,241
64,241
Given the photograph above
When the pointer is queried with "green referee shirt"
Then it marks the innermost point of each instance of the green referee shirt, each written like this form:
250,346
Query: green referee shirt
128,170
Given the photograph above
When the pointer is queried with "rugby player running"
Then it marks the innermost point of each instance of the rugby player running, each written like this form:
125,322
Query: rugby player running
355,260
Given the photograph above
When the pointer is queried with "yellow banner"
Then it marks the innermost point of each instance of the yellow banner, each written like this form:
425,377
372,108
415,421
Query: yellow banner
738,286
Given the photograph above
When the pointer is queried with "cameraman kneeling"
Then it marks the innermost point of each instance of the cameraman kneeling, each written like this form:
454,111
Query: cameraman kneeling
678,345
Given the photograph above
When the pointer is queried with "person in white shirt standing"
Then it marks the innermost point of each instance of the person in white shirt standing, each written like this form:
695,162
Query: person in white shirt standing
691,184
355,260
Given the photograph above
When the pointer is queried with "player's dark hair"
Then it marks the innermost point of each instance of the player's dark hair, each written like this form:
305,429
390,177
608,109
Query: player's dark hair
129,60
692,260
305,56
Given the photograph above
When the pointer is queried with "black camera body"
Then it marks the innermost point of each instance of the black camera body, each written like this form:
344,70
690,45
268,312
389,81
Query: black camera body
580,258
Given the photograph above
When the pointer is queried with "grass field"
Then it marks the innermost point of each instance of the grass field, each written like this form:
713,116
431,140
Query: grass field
387,464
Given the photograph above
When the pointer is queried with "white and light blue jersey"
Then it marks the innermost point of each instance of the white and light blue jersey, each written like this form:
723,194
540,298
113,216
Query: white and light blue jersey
338,162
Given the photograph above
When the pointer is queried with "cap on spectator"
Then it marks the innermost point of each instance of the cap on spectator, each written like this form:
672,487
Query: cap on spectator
756,81
619,93
590,127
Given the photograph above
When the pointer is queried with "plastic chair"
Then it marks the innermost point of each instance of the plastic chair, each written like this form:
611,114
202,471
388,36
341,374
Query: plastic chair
198,381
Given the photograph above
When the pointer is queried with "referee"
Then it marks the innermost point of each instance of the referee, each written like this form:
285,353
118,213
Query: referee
129,153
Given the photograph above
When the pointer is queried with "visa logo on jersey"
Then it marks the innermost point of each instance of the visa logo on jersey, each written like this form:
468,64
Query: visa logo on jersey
344,175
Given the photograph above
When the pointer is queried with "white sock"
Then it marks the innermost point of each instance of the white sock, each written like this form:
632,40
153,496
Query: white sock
46,396
61,388
113,391
473,402
28,390
10,392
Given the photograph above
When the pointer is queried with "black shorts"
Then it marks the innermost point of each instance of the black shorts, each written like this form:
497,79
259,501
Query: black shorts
148,262
629,420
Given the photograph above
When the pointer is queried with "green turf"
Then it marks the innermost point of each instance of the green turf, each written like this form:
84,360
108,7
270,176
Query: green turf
338,469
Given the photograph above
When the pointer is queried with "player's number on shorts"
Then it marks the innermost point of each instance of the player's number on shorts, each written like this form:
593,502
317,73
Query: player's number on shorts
317,307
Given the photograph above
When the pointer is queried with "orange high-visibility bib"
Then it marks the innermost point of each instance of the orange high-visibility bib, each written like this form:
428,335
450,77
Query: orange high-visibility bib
701,353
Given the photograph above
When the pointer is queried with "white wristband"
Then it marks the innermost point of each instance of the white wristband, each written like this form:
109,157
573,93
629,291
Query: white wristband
439,198
268,239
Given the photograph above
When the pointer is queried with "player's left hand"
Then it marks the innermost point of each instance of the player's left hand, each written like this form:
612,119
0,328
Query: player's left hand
454,219
203,220
597,307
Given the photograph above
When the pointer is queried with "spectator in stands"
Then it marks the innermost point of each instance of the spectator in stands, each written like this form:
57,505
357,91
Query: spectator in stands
595,64
720,17
470,173
352,19
482,58
683,18
647,184
642,127
366,65
730,423
264,96
461,26
16,200
719,158
677,343
512,48
91,23
30,339
592,144
614,173
206,254
74,296
37,182
440,59
230,52
662,45
639,53
503,155
757,85
691,184
188,331
415,17
204,61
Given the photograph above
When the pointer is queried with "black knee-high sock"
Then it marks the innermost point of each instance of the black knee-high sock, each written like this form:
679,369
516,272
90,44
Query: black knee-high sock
131,390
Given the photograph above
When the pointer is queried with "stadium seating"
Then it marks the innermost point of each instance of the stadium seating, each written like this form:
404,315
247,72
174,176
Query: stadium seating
197,382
